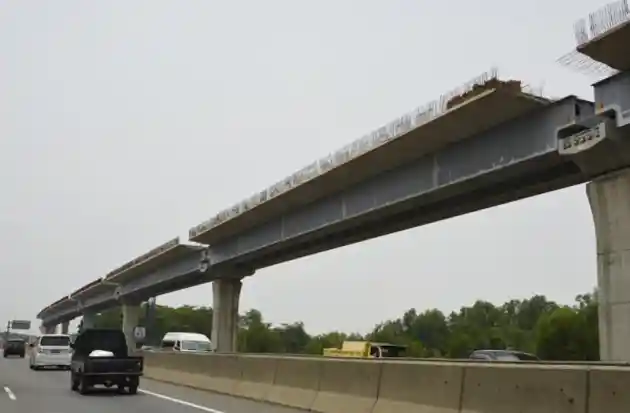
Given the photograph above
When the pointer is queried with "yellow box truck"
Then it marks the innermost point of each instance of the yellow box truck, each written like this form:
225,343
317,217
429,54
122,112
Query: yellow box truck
366,349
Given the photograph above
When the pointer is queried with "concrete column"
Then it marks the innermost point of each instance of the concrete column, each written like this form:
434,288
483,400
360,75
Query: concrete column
130,319
65,327
89,320
609,197
225,293
50,329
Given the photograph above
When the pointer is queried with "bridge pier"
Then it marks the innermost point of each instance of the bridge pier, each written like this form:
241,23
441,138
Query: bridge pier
225,294
609,197
65,327
89,320
48,329
130,319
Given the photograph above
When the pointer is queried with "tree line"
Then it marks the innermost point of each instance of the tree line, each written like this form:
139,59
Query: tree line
536,325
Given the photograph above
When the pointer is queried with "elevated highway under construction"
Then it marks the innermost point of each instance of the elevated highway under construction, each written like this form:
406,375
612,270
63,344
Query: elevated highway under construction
491,142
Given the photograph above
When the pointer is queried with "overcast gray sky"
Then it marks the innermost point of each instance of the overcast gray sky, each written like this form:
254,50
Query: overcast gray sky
124,123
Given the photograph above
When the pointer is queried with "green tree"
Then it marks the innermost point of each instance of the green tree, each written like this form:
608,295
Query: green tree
561,335
256,336
534,324
293,337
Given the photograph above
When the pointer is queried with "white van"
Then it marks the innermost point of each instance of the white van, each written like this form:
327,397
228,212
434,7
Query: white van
186,342
50,350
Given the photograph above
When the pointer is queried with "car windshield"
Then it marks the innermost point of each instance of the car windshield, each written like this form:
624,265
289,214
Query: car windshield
106,340
393,351
55,341
15,342
195,345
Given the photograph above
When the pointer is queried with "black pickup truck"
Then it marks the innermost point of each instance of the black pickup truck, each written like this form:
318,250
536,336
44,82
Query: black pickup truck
100,356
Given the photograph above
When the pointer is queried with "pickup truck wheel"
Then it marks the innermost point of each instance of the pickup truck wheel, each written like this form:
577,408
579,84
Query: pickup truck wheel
74,383
83,386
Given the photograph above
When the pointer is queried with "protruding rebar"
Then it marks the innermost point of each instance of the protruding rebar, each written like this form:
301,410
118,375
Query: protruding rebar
585,30
587,66
602,21
487,81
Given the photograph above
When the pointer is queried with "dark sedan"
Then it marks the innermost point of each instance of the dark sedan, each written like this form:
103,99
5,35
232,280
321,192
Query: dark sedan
502,355
14,347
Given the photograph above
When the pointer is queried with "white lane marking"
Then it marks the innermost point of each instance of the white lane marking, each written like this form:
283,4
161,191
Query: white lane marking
9,393
182,402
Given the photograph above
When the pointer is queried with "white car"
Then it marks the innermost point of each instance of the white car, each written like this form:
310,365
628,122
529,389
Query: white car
50,350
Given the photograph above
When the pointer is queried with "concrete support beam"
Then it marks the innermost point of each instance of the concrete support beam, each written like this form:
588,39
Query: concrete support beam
226,294
65,327
130,319
50,329
609,197
89,320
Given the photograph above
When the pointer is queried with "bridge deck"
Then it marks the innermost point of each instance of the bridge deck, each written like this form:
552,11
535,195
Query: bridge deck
611,48
165,254
86,288
56,306
511,161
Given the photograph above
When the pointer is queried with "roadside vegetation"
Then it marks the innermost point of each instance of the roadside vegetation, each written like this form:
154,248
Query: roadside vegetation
551,330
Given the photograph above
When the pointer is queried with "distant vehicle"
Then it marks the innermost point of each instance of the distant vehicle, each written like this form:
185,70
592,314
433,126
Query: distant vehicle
366,349
14,347
101,357
50,350
502,355
186,342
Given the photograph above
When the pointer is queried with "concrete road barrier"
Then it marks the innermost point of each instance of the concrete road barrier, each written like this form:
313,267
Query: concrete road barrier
257,377
296,382
219,373
347,386
407,387
609,390
400,386
523,389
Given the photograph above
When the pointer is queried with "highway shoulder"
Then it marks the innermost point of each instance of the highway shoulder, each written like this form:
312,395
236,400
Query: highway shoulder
213,402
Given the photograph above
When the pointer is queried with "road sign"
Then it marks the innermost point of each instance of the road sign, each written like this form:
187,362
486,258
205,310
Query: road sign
20,325
139,333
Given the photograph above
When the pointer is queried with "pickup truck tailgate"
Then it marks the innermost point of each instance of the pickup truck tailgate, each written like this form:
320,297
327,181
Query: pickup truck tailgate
105,365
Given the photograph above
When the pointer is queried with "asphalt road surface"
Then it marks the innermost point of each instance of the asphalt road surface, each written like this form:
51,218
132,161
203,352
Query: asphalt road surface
48,391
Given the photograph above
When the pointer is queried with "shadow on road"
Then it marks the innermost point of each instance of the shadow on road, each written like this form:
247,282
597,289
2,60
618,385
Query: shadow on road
111,392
